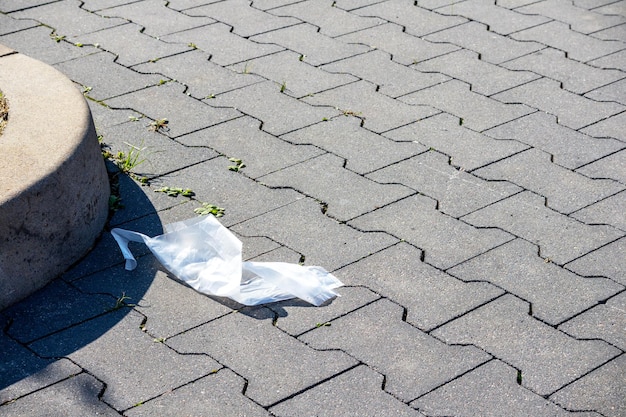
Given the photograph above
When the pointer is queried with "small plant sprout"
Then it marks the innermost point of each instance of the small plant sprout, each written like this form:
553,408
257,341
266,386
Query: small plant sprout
115,203
129,160
208,208
160,340
133,118
162,81
57,38
238,164
79,45
247,68
121,302
351,113
301,58
86,89
324,119
159,124
283,86
192,45
153,60
326,324
211,96
175,192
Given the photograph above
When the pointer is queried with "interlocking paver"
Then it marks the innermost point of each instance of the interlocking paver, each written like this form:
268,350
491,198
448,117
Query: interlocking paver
477,111
287,366
608,211
404,48
571,109
354,4
430,296
575,76
555,294
591,4
608,261
492,47
616,33
181,5
7,6
614,8
603,390
9,25
392,79
569,148
612,127
611,92
560,238
616,60
346,194
513,4
445,240
484,78
364,397
376,335
550,358
612,166
434,4
457,192
271,4
95,5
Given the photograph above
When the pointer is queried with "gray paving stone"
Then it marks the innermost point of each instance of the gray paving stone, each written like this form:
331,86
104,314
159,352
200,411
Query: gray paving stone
477,111
331,20
568,147
376,335
616,33
605,321
225,47
614,8
445,240
95,5
7,6
287,366
430,296
578,46
591,4
580,20
271,4
302,227
458,193
547,358
298,77
434,4
490,390
613,127
363,397
574,76
354,4
603,390
404,48
554,293
363,150
608,211
560,238
499,19
392,79
10,25
611,92
218,394
347,194
612,166
616,60
281,254
484,78
378,112
606,262
74,396
242,138
184,114
571,109
492,47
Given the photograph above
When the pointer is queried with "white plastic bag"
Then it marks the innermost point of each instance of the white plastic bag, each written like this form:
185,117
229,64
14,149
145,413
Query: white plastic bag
207,256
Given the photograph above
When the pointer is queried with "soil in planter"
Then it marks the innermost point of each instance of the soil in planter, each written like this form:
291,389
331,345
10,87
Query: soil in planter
4,112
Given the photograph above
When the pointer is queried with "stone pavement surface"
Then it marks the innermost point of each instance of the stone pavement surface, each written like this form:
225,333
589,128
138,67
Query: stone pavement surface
459,165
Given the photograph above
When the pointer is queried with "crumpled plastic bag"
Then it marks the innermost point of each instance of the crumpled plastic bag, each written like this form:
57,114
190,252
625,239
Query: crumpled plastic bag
207,256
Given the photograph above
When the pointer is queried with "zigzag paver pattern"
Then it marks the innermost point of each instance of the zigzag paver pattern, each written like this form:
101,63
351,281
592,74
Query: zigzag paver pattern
460,166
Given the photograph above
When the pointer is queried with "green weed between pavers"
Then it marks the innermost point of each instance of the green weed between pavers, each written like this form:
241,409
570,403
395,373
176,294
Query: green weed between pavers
238,164
175,192
208,208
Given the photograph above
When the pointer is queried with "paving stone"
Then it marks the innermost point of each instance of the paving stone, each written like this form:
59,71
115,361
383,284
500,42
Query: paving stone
376,335
554,293
430,296
547,358
316,48
281,254
611,92
513,4
571,109
605,321
611,127
492,47
574,76
391,78
156,18
302,227
608,211
127,369
242,138
434,4
74,396
612,166
616,60
606,262
10,25
560,238
445,240
363,396
456,192
578,46
298,77
616,33
95,5
603,390
246,21
614,8
484,78
284,115
580,20
287,367
225,47
218,394
477,111
331,20
591,4
404,48
499,19
184,114
354,4
271,4
378,112
490,390
22,372
568,147
566,191
363,150
7,6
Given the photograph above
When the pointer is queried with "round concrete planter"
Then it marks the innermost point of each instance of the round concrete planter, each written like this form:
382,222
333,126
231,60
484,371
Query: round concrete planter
54,188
